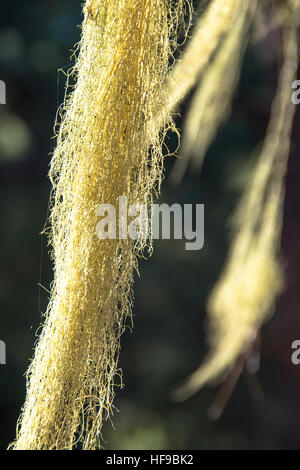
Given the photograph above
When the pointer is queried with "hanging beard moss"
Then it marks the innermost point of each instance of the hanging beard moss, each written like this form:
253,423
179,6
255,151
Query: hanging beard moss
217,19
212,99
109,145
252,278
102,153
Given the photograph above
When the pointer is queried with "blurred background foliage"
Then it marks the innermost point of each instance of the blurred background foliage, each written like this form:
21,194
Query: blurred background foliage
168,339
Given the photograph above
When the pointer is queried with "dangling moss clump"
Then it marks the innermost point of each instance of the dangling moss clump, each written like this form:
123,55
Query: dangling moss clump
253,278
109,144
102,152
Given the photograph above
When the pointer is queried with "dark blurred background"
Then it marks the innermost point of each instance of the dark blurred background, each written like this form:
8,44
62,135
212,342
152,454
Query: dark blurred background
168,339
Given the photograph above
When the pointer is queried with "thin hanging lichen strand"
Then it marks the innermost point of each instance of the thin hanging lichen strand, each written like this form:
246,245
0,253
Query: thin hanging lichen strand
252,279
